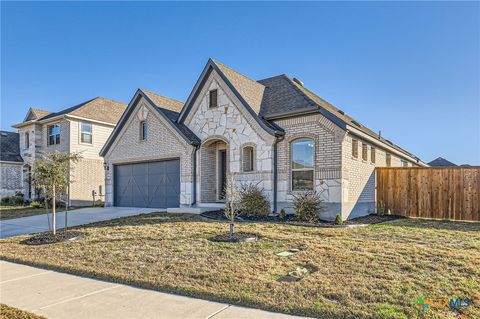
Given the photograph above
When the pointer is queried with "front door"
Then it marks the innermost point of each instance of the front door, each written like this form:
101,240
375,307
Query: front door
222,177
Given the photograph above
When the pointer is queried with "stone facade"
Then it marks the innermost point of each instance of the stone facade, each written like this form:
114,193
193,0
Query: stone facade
162,143
231,123
11,179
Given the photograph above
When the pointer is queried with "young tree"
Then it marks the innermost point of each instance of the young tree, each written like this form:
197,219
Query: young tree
51,172
233,198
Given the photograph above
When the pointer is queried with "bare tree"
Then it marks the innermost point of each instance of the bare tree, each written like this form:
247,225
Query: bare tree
52,173
233,198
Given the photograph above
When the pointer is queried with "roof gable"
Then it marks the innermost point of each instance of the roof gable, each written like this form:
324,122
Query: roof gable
35,114
163,105
238,84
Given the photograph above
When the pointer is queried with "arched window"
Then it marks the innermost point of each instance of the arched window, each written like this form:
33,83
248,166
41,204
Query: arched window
248,158
302,164
143,130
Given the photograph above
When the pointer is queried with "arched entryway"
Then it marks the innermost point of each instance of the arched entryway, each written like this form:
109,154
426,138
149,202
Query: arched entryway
214,160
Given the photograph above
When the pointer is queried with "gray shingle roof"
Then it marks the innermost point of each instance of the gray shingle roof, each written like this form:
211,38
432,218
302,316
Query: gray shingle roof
98,109
10,147
441,162
284,95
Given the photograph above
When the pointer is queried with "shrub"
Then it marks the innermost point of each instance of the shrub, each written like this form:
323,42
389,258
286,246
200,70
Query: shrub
307,206
283,214
338,220
253,201
380,208
16,200
36,204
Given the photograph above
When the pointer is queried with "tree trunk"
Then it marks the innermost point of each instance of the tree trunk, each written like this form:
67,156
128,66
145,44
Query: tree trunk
54,222
232,226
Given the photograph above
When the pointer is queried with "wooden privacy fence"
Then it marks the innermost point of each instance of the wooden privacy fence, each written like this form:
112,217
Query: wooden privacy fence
445,192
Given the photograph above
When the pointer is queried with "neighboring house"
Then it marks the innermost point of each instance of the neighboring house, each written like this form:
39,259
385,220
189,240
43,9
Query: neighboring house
273,132
441,162
82,128
11,164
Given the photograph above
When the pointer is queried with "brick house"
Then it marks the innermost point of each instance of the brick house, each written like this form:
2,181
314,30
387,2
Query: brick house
11,164
82,128
272,132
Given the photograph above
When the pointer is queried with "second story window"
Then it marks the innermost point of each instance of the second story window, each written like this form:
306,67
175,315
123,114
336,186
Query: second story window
388,159
213,101
364,152
53,134
355,148
27,140
86,133
143,130
404,163
372,155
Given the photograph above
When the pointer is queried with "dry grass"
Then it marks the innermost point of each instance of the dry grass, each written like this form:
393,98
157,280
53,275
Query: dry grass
7,312
373,272
9,212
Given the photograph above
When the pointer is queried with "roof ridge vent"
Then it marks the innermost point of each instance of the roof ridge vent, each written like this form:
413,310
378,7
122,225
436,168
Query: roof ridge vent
356,123
298,81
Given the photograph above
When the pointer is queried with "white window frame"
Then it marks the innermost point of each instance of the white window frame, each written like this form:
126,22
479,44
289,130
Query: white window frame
312,169
86,132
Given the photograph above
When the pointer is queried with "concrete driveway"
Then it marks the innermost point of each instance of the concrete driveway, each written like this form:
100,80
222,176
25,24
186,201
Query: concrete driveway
58,296
39,223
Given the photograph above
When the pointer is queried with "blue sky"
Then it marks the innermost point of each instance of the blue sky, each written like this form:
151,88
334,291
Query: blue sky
411,70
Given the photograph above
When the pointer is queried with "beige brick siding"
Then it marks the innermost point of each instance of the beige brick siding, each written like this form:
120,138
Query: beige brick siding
358,176
162,143
100,134
86,175
10,179
328,160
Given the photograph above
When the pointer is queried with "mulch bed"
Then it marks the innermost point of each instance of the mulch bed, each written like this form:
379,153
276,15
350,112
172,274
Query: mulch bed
49,238
237,238
291,219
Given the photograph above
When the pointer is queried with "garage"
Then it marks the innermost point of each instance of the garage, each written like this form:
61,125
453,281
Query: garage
149,184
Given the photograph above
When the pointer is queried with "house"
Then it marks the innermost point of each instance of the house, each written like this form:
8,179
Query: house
273,132
441,162
82,128
11,164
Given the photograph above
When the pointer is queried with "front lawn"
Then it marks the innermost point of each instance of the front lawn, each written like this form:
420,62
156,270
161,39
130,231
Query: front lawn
7,312
377,271
9,212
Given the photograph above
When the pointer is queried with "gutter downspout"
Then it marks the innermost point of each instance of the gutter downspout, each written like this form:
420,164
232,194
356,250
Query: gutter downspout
194,201
275,172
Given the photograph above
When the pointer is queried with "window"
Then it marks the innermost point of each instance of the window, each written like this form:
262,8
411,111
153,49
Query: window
364,151
27,140
355,148
143,130
86,133
388,159
404,163
213,99
302,164
248,158
53,134
372,155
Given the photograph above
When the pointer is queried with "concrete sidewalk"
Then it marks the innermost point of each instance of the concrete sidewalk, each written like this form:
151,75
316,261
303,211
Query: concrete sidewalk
82,216
57,295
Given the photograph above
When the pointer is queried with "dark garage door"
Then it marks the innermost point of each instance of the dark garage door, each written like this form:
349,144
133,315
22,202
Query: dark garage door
152,184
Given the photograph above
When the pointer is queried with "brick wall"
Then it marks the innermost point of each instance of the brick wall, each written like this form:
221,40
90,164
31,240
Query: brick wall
162,143
328,160
10,179
86,175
